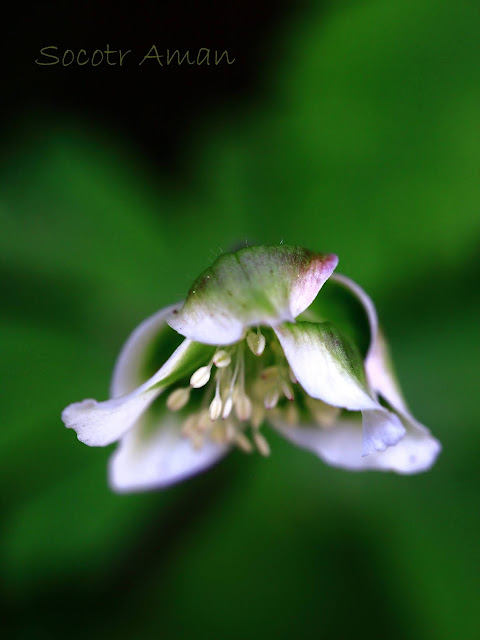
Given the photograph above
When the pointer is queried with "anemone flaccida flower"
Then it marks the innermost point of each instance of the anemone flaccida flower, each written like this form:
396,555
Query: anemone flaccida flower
259,343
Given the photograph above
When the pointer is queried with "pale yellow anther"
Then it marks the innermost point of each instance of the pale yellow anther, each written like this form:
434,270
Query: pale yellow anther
256,342
222,359
243,442
261,444
178,399
215,409
271,399
197,440
218,433
287,391
270,373
292,415
201,377
227,406
258,414
189,425
230,431
325,415
239,399
243,406
204,422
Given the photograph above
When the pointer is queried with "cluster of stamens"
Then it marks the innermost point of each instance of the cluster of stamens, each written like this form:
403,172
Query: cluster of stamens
231,403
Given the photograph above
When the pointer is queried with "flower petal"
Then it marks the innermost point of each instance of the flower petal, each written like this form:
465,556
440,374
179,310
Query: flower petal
381,429
329,368
147,459
383,379
379,368
341,446
255,285
378,365
101,423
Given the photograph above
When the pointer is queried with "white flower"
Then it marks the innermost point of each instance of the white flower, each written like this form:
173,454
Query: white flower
258,350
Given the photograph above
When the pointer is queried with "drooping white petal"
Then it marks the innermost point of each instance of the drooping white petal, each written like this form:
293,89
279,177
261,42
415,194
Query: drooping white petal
101,423
380,371
341,446
381,429
255,285
377,363
149,458
330,369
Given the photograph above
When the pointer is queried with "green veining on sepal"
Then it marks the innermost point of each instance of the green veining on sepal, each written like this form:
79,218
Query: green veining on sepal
254,285
340,348
253,278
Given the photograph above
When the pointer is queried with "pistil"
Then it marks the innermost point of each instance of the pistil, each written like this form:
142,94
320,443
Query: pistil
228,404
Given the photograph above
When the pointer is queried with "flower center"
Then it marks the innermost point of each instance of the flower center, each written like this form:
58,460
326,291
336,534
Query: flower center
240,385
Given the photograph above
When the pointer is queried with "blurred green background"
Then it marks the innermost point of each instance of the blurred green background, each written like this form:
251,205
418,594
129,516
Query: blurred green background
363,139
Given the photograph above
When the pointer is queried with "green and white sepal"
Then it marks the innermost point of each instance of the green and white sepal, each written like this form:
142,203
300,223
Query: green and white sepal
254,286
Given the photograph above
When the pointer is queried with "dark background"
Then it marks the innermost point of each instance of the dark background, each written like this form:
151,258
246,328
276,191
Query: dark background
348,127
152,105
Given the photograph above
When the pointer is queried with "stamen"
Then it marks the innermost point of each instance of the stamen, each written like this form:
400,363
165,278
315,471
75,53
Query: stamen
215,409
178,399
243,406
287,391
218,433
222,359
271,399
248,401
261,443
204,423
269,373
230,431
325,415
258,414
243,442
201,376
291,415
189,425
198,440
256,342
228,404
